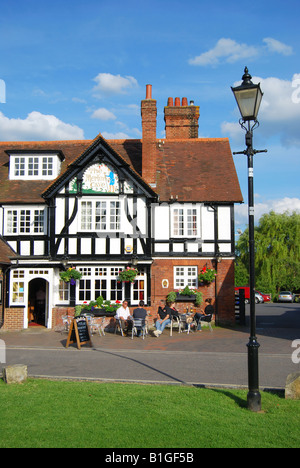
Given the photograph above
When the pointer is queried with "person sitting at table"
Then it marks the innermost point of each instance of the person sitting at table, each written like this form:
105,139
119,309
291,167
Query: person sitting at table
165,316
173,312
206,314
123,314
140,313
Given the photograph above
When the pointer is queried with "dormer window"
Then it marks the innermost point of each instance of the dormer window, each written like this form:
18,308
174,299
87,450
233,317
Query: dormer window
36,165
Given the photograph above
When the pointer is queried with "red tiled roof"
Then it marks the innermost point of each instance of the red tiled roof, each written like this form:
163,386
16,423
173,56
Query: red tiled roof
193,170
197,170
6,252
29,191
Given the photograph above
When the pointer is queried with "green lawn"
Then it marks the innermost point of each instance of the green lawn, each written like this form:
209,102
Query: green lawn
43,413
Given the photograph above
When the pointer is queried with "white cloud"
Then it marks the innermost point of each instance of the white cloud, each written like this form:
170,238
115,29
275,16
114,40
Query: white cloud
261,208
227,49
103,114
79,100
113,84
37,127
279,112
230,51
115,136
276,46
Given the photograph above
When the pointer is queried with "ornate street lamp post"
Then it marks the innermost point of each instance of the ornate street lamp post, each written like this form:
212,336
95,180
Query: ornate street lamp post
248,97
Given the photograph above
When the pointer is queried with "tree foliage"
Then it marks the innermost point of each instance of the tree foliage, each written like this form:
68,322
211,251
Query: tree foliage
277,253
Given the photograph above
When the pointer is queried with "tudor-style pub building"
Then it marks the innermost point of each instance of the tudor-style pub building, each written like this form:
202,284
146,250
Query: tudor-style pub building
164,205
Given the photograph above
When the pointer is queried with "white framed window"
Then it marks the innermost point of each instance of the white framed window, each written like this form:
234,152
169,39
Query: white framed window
103,281
185,276
25,221
100,281
185,221
39,166
18,284
100,215
139,288
63,291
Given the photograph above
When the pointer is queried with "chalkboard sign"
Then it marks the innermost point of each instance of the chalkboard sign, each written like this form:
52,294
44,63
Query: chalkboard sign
79,333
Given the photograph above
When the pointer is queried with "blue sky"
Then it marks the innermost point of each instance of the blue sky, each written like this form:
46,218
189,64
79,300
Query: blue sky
72,69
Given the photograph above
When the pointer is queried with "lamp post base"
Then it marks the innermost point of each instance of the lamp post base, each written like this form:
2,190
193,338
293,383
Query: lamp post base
254,401
254,397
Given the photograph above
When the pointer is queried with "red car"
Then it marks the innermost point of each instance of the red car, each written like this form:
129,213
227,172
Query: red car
267,297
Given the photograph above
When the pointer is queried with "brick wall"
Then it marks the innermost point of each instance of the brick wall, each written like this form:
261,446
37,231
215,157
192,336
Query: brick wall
13,319
58,313
149,113
221,291
181,120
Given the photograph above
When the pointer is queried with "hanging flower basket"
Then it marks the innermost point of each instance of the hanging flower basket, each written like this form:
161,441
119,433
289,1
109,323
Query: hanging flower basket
71,275
207,275
128,275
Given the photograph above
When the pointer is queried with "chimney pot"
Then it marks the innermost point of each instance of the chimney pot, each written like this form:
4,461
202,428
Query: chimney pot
170,102
177,102
148,91
184,102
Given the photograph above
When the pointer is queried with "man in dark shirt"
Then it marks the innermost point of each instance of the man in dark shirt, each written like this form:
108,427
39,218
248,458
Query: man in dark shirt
206,315
140,313
164,319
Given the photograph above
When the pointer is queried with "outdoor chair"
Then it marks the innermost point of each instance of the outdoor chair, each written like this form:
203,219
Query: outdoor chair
98,325
119,325
138,325
94,324
206,321
175,323
67,320
186,326
89,318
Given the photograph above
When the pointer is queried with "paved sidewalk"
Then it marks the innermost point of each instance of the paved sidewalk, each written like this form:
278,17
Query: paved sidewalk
220,340
206,358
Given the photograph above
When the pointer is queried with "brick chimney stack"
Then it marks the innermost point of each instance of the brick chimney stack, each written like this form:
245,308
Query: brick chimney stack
149,114
182,119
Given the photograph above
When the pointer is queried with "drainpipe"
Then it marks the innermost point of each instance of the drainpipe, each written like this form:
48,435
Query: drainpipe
3,297
5,272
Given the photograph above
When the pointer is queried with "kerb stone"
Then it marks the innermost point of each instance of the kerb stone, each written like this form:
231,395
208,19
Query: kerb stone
292,387
15,374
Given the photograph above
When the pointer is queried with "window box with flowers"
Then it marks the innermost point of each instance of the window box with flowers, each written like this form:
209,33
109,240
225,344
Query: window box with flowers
207,276
99,308
71,275
185,295
128,275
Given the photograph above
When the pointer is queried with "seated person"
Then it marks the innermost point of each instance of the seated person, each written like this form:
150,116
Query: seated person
123,314
206,314
172,311
140,313
163,320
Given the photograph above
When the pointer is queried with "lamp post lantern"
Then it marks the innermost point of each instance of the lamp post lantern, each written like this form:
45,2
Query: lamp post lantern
248,97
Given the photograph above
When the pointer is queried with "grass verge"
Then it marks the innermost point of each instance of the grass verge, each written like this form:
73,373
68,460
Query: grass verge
48,414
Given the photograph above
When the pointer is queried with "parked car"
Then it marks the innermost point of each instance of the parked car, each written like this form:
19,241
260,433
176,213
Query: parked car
266,297
258,297
286,296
